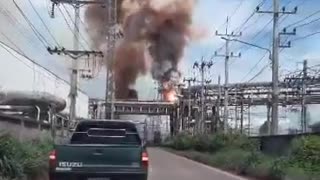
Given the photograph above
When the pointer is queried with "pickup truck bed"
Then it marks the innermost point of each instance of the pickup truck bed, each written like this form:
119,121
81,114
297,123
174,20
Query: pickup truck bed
101,150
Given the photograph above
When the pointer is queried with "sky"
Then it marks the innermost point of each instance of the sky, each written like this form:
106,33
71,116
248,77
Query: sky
209,15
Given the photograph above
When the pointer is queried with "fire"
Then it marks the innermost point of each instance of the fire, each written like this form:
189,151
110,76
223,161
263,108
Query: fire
170,96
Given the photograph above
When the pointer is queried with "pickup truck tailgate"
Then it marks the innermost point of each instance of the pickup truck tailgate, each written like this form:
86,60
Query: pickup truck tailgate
95,156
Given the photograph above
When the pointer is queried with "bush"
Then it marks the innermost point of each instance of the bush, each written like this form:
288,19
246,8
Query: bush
237,141
294,173
182,142
261,168
236,160
201,143
305,155
21,159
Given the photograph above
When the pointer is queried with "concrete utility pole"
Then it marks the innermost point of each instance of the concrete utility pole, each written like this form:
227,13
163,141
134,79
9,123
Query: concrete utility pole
303,92
275,62
202,66
218,105
75,53
189,80
227,37
241,115
112,37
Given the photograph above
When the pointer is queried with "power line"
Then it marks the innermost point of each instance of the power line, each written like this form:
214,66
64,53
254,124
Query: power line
305,24
301,20
43,22
237,8
257,34
69,14
254,67
14,44
68,24
6,46
239,28
41,38
306,36
14,22
259,73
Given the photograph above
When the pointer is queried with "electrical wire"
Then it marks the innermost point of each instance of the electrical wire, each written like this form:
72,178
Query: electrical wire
41,38
259,73
308,23
14,44
256,35
255,66
237,8
74,23
68,24
6,46
306,36
44,24
239,28
14,22
301,20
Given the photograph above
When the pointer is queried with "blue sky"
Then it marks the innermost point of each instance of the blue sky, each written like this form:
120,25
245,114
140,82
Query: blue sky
209,15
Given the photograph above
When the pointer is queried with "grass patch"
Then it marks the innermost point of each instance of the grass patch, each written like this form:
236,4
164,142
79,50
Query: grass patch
19,160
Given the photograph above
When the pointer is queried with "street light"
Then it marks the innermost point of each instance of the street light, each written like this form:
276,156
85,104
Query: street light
250,44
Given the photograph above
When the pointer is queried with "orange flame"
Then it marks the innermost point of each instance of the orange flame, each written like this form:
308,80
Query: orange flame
170,96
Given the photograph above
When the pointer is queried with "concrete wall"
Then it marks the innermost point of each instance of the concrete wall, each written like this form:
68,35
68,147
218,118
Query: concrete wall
25,129
19,73
279,144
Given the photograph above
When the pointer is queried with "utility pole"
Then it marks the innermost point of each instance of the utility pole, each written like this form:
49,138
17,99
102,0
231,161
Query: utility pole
189,80
227,37
112,37
218,102
75,53
202,67
275,61
303,92
241,118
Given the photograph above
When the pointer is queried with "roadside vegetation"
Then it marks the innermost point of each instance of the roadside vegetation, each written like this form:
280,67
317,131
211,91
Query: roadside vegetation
23,160
238,154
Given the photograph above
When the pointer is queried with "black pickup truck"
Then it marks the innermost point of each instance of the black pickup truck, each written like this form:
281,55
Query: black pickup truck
101,150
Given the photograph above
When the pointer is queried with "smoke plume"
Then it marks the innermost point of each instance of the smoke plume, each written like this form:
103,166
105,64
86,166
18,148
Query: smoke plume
155,35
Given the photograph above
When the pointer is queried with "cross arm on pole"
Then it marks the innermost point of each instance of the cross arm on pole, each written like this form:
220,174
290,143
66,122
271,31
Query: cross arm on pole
83,2
283,11
74,54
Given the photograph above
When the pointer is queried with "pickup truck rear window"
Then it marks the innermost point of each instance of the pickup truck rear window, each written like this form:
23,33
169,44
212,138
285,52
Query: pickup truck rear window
83,138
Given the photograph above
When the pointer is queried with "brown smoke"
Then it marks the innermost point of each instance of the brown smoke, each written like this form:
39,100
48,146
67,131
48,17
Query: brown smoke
160,28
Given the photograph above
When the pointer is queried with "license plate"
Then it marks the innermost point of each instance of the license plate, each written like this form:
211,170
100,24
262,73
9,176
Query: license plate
99,179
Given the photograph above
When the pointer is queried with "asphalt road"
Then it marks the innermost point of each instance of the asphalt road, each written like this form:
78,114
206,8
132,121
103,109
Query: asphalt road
167,166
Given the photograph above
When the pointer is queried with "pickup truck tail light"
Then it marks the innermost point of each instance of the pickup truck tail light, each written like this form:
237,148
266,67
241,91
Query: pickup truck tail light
145,160
52,159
